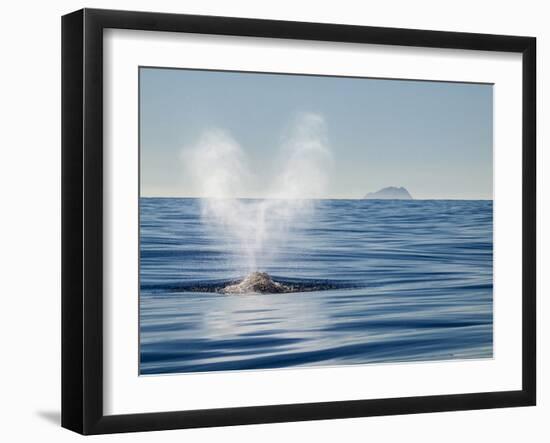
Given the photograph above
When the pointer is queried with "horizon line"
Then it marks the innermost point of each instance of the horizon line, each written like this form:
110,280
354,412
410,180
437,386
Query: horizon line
309,198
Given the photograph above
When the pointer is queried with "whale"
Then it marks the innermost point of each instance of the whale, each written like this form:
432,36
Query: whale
257,283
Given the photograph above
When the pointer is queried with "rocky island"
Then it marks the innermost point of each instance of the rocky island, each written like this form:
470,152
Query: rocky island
389,193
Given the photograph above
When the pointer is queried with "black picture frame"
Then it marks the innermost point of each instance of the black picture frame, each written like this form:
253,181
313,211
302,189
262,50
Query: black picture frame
82,220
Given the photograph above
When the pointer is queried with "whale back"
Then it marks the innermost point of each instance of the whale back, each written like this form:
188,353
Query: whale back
254,283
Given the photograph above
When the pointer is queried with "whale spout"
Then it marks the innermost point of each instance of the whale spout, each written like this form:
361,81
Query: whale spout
257,282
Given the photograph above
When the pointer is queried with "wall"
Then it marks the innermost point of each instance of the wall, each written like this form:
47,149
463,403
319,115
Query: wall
30,234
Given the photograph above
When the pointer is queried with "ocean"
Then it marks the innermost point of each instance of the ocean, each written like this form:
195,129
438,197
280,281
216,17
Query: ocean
384,281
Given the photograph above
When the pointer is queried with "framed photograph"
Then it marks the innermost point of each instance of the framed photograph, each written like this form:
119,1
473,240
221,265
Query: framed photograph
268,221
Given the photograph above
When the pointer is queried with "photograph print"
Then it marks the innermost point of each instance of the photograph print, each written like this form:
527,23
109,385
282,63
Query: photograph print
294,221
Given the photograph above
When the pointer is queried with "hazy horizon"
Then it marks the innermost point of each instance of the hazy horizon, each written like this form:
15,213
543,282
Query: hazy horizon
433,138
318,198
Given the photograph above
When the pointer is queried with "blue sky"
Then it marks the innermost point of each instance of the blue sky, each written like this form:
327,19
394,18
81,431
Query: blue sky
434,138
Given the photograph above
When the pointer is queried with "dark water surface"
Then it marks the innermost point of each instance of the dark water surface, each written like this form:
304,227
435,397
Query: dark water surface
399,281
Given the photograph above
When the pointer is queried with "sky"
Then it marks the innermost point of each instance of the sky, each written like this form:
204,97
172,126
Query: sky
433,138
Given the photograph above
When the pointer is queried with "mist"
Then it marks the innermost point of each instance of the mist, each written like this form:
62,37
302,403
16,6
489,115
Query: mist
260,228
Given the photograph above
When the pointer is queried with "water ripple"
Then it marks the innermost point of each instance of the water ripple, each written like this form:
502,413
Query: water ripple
383,281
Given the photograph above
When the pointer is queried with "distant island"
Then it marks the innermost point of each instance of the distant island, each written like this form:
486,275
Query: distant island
389,193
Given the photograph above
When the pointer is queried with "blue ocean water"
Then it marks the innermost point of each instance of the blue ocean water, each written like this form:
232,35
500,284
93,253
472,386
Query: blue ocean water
404,280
